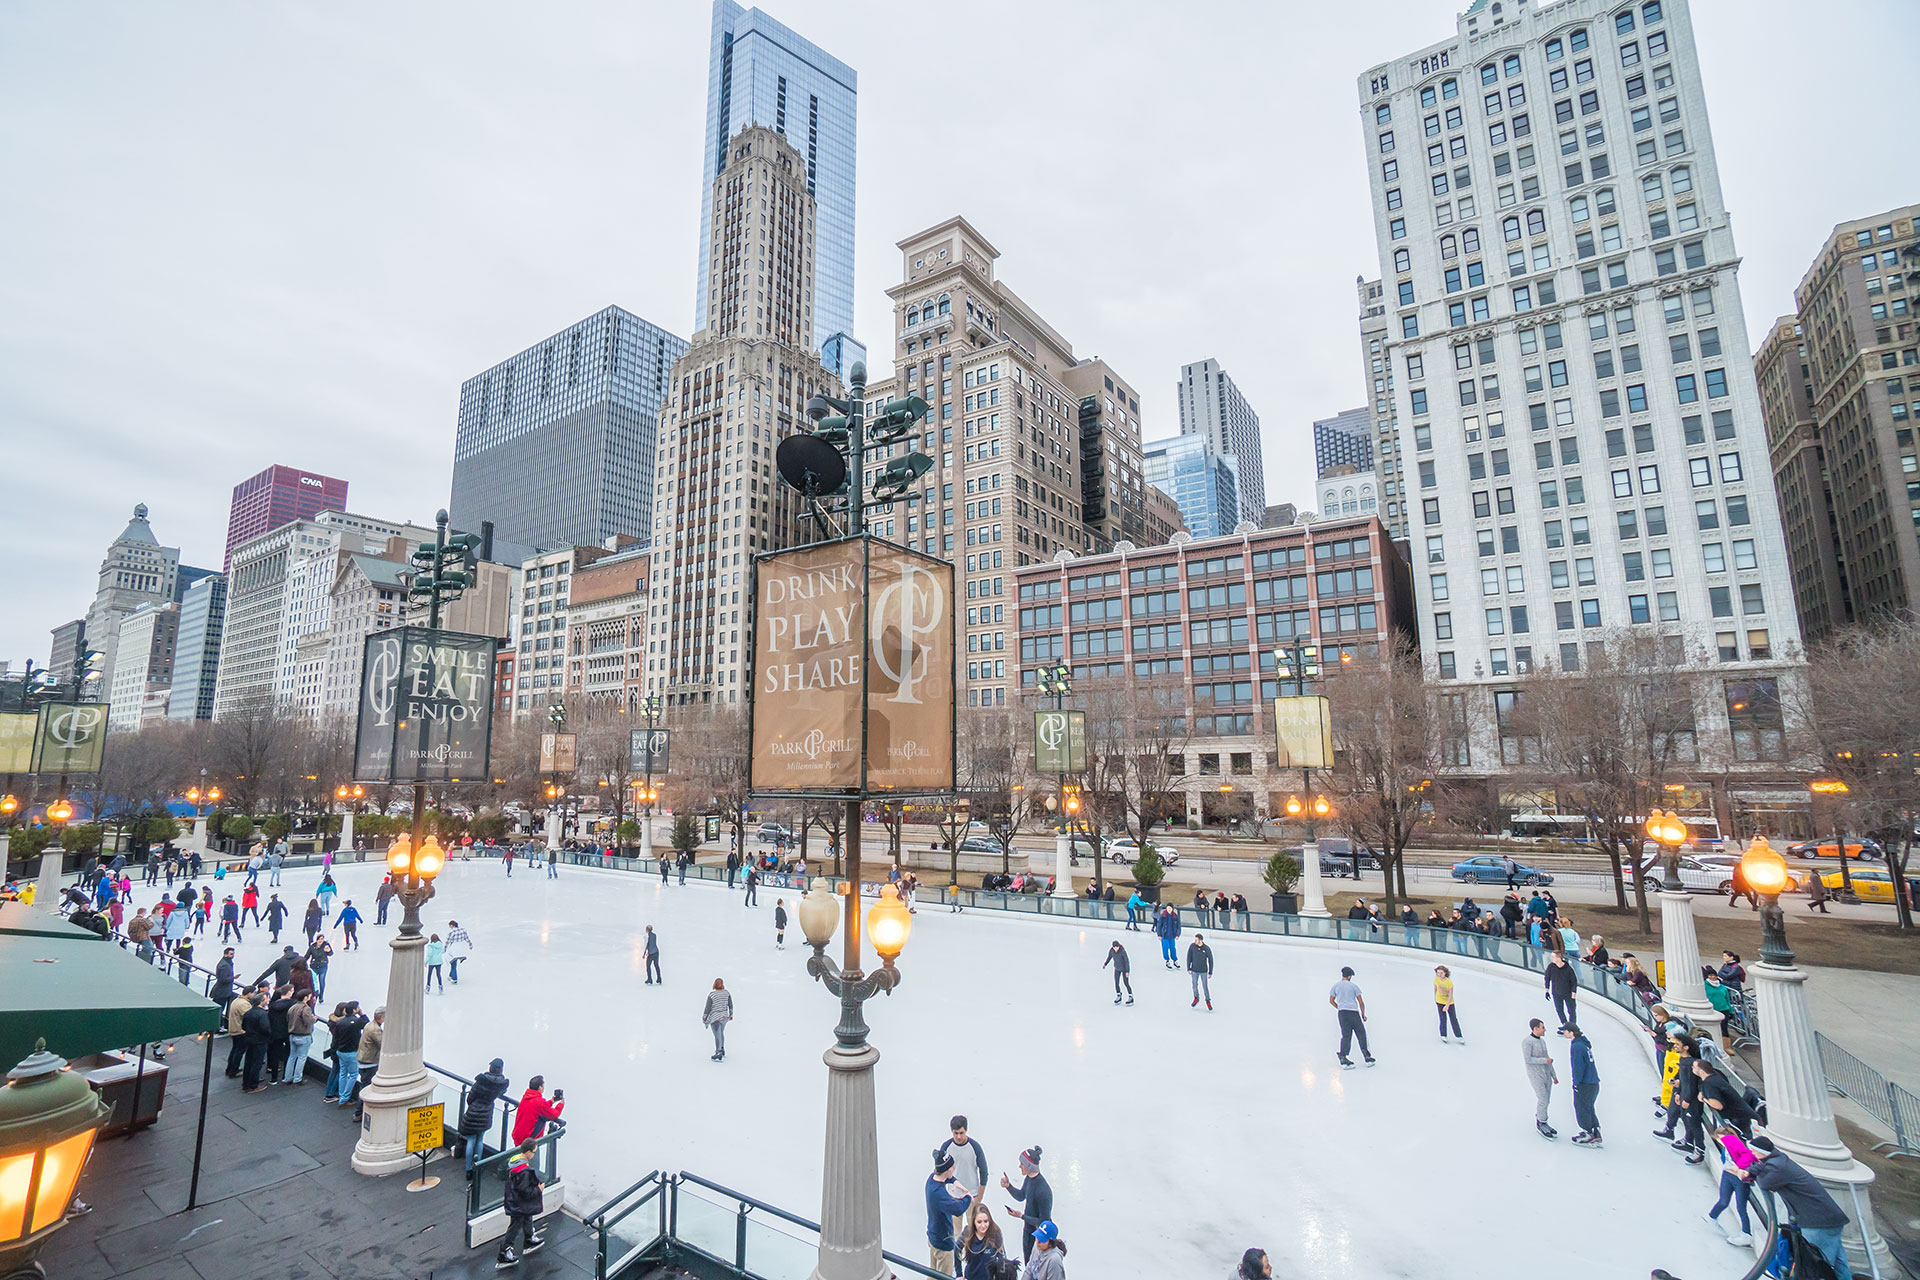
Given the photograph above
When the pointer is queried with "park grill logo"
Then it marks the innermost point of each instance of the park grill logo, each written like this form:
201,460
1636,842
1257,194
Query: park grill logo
853,649
426,706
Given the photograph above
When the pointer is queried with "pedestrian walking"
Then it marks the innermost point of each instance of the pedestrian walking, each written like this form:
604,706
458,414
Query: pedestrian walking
1350,1008
1035,1195
476,1117
1537,1057
436,953
1122,970
459,947
1817,896
276,916
1443,1001
524,1200
946,1204
718,1013
1512,870
779,924
1200,970
1562,985
653,957
349,923
1819,1218
1586,1087
1166,926
1738,888
753,887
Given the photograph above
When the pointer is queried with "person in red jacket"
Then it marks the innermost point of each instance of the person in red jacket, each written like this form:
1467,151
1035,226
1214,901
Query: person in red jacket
535,1111
250,903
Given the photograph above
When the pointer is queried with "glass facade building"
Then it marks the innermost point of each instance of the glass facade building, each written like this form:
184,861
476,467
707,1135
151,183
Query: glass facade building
760,72
196,650
1201,483
555,445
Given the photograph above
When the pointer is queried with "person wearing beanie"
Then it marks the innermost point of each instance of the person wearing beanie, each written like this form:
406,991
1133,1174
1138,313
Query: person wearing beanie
1045,1257
1122,970
1819,1218
945,1202
1035,1195
1350,1007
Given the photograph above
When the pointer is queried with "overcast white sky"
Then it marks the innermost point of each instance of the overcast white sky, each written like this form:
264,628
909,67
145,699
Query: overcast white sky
239,234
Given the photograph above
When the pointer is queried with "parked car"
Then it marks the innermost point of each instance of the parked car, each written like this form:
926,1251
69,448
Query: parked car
1871,884
981,844
1796,880
1696,873
1126,849
1492,870
773,833
1826,849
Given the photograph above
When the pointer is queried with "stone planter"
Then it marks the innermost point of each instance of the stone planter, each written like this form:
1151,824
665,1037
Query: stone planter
1286,904
1150,892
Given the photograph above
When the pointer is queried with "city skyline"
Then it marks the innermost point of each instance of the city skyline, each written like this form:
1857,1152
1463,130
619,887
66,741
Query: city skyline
331,328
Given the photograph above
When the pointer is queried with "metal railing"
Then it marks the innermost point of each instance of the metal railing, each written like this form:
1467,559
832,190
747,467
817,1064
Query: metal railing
698,1219
487,1184
452,1088
1878,1096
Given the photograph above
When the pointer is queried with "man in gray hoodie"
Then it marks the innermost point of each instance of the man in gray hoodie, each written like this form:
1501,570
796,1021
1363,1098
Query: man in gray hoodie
1538,1060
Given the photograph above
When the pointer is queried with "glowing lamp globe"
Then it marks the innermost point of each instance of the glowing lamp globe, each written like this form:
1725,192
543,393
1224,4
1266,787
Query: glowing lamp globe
193,796
48,1117
889,923
1765,871
1320,807
400,855
59,811
429,859
819,914
1293,806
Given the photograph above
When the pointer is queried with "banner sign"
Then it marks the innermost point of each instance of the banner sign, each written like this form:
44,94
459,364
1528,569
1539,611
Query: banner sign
559,752
426,706
17,733
648,751
1059,741
71,737
853,670
426,1127
1304,731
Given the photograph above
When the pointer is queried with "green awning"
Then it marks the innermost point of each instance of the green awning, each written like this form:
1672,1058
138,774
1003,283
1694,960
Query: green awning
84,995
19,918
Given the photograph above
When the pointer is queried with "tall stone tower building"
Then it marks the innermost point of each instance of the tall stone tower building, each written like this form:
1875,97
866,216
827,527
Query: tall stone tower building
137,571
740,389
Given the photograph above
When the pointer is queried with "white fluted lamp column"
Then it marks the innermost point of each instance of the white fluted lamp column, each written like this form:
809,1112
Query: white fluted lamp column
1679,941
1313,898
1799,1117
401,1080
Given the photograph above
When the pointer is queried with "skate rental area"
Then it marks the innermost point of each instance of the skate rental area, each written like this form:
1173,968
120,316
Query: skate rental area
1174,1137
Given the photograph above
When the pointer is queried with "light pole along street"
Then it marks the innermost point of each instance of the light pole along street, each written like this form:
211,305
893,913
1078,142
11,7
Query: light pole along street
1057,682
651,709
440,574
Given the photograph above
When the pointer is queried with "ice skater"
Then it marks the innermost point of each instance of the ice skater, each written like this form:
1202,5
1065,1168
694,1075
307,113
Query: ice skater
276,916
1166,926
1562,985
1537,1058
1443,1001
1586,1087
1200,969
653,958
459,947
779,924
753,887
718,1013
1122,970
349,921
436,952
1351,1009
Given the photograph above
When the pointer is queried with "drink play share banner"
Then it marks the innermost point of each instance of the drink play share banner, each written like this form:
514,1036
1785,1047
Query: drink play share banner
853,650
1304,732
426,706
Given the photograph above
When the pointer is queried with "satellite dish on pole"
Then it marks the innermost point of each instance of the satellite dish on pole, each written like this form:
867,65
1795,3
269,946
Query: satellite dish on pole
811,465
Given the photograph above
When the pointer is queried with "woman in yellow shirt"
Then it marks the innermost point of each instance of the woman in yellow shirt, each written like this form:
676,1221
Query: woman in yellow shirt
1443,1001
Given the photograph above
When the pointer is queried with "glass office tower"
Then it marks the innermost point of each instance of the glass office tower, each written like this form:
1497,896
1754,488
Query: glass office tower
1204,485
762,73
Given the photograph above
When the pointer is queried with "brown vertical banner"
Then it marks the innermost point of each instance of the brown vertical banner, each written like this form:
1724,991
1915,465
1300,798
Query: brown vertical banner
909,670
809,651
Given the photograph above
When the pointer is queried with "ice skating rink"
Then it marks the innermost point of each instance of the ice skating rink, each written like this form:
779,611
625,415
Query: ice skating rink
1174,1139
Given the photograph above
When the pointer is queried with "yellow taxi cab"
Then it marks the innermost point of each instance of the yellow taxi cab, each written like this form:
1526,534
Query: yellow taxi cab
1871,884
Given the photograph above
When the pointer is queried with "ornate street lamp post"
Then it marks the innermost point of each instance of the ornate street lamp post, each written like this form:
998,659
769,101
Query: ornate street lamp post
1313,809
46,894
1799,1116
351,797
651,708
1678,939
850,1194
402,1080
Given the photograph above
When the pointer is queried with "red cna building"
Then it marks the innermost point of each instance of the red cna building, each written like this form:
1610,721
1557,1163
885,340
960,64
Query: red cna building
279,495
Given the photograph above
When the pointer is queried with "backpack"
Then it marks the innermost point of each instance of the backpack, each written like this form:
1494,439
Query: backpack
1005,1268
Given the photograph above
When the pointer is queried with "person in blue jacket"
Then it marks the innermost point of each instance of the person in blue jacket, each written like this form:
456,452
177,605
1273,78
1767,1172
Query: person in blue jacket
349,920
1166,926
945,1202
1135,905
1586,1086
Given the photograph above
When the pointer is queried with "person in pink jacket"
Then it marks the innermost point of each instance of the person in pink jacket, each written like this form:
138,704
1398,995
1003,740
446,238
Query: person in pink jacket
1733,1186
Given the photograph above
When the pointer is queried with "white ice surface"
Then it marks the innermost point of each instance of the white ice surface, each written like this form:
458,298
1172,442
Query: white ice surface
1174,1138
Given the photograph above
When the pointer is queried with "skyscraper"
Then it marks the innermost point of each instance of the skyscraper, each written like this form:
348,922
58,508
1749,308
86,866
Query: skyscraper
1344,440
555,445
1842,393
1569,363
143,665
1212,406
740,389
137,570
1200,482
1387,462
761,73
196,652
277,495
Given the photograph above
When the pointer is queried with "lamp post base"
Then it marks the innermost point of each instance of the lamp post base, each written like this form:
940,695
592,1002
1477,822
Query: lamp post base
646,840
850,1190
382,1147
1685,993
1313,897
346,833
402,1080
46,893
1063,865
553,831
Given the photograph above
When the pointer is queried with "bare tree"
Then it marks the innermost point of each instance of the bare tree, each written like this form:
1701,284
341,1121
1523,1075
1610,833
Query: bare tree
1861,694
1386,740
1137,735
249,749
1612,736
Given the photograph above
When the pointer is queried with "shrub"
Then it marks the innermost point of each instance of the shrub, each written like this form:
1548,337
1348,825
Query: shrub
237,827
1282,872
686,832
276,825
1148,870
